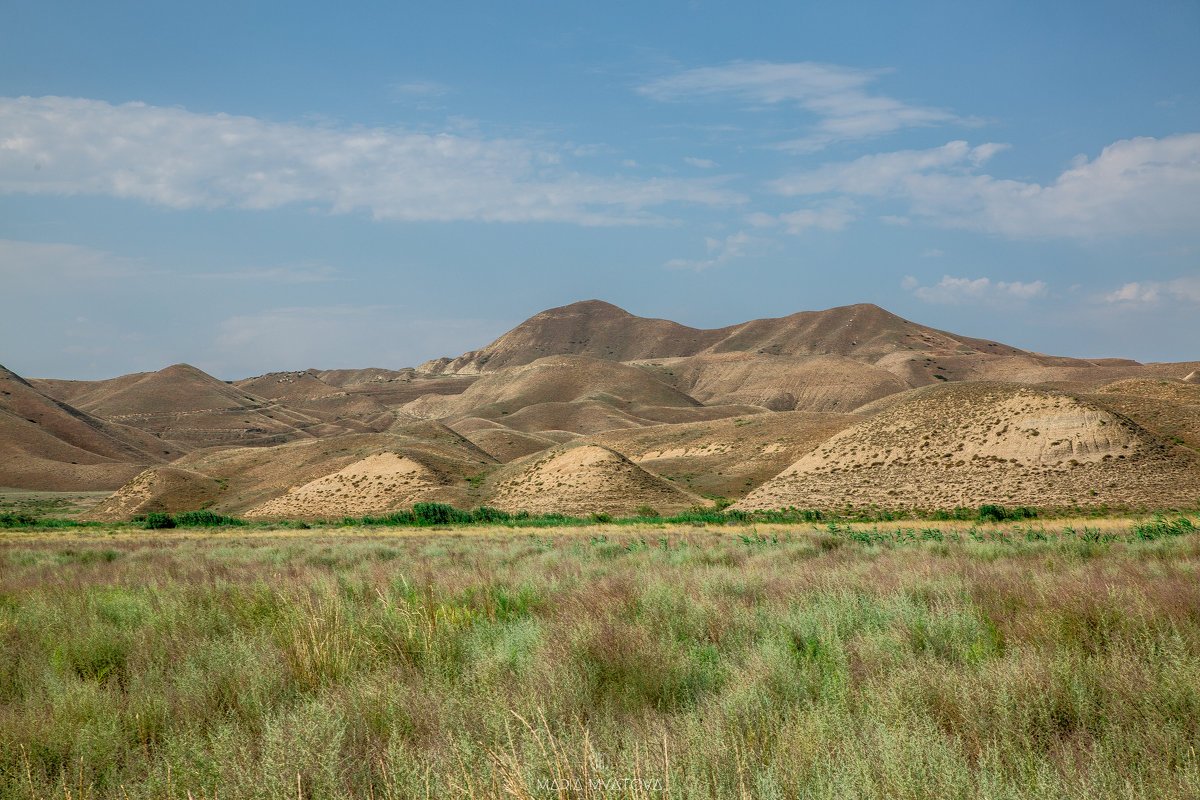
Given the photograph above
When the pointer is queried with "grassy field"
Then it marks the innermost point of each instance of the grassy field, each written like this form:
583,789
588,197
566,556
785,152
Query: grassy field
934,660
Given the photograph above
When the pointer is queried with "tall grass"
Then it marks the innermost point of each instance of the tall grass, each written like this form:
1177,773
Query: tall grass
679,663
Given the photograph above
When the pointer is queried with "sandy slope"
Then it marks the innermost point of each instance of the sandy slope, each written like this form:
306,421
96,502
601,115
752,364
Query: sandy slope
579,479
968,444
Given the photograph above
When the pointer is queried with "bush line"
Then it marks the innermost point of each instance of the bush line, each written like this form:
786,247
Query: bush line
443,515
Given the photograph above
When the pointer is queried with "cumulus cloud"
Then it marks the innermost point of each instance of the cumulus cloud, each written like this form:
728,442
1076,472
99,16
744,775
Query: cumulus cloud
1135,186
1185,290
955,291
176,158
836,95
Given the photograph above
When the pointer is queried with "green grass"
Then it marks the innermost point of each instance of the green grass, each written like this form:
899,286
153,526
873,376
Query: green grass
774,661
442,515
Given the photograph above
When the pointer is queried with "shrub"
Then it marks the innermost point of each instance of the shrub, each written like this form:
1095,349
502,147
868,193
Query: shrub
156,521
204,519
438,514
489,514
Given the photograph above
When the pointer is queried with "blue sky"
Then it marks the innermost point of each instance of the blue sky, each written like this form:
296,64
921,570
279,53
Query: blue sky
265,186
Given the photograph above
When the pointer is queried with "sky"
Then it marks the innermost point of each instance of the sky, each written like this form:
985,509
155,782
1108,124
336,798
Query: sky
259,186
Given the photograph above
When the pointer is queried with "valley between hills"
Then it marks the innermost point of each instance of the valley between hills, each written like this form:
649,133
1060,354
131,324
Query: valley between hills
587,409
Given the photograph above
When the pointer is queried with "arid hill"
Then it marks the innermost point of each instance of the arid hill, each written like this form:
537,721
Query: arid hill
728,457
770,412
189,406
603,331
581,479
314,478
184,404
590,328
970,444
48,444
556,379
341,411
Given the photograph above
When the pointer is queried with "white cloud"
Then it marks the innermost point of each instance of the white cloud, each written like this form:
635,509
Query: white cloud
179,159
720,251
953,291
932,252
832,216
1135,186
1150,292
836,95
759,219
702,163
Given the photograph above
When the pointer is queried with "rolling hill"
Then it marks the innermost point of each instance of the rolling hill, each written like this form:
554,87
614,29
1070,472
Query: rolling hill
51,445
971,444
603,410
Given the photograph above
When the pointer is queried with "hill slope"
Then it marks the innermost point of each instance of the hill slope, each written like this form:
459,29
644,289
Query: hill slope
970,444
187,405
48,444
581,479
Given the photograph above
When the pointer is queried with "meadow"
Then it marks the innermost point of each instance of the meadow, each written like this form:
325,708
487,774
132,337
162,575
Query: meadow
936,659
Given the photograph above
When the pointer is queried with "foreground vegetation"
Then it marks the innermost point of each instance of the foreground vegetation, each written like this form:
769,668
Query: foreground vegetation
1007,660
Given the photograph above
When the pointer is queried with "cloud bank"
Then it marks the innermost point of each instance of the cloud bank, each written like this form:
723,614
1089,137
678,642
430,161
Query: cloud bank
176,158
1135,186
956,291
836,95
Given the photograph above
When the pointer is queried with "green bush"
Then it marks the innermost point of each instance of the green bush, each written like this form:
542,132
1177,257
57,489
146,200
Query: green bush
157,521
489,514
204,519
438,514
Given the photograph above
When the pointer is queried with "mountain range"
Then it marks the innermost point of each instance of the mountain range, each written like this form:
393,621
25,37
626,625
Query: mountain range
588,408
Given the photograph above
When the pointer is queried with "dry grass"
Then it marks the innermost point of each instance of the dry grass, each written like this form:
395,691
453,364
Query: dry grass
776,661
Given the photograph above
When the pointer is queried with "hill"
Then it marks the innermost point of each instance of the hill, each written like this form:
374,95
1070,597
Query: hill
779,383
341,411
590,328
51,445
725,458
187,405
311,478
971,444
581,479
864,332
776,411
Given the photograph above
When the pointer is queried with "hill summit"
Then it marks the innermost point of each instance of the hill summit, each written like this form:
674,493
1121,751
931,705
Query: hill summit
601,330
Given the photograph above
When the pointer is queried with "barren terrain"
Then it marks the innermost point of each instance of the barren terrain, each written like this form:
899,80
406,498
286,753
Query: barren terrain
589,409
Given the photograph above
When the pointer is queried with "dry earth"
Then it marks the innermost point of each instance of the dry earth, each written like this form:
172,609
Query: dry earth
970,444
609,412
